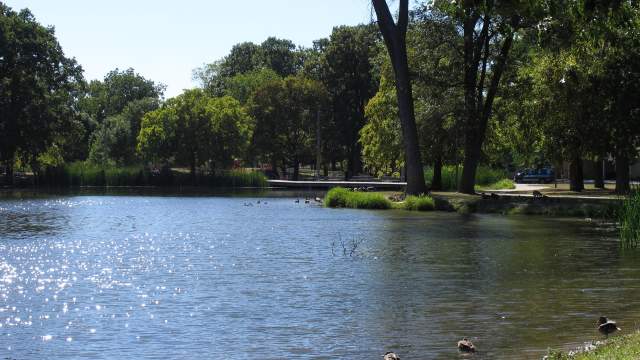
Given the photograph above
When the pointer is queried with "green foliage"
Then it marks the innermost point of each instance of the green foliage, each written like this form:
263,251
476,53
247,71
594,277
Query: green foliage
285,114
88,174
380,138
196,129
629,219
344,198
242,85
38,87
279,56
486,178
419,203
503,184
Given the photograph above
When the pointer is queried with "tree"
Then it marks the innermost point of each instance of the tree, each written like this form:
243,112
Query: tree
346,71
488,28
37,83
285,112
381,137
115,141
195,129
395,39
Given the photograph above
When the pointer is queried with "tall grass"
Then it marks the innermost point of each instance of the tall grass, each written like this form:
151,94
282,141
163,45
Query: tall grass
344,198
87,174
629,218
419,203
485,176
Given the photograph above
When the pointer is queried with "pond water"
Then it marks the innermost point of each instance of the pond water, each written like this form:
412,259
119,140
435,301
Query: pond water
168,277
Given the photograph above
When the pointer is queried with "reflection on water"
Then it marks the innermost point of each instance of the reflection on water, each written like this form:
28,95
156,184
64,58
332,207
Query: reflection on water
173,277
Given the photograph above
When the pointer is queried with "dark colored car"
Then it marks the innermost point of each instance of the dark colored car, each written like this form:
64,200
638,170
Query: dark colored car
538,176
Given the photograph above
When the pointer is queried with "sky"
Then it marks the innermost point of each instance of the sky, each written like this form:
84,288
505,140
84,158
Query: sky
165,40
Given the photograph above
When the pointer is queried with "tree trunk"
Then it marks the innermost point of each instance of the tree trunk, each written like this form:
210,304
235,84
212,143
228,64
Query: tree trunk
576,180
436,182
8,178
296,170
622,174
478,107
598,176
274,167
395,40
193,168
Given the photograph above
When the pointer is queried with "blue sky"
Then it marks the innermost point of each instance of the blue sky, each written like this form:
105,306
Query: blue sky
165,40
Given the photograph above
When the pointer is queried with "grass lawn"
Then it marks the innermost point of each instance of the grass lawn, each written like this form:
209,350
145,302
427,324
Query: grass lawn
619,348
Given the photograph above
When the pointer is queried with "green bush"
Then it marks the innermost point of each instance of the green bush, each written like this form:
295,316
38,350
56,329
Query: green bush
344,198
485,176
629,218
419,203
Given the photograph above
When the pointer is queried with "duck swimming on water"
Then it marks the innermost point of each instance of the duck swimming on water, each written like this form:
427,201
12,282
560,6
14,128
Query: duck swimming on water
465,345
390,356
606,326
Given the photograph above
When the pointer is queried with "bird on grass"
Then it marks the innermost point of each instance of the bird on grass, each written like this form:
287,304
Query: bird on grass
606,326
465,345
390,356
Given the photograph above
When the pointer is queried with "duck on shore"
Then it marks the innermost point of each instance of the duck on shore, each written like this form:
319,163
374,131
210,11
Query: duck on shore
606,326
465,345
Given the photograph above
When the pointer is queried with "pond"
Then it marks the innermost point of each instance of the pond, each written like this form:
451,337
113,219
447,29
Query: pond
169,277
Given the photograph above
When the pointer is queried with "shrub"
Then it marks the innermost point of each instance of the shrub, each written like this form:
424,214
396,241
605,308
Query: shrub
629,218
344,198
419,203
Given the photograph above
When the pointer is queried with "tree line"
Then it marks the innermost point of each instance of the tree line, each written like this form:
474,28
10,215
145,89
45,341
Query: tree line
521,83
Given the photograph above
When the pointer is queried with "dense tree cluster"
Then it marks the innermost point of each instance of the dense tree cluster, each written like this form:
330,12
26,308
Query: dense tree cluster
470,82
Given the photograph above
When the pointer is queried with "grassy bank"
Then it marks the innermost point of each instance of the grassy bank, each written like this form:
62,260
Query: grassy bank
486,178
619,348
84,174
344,198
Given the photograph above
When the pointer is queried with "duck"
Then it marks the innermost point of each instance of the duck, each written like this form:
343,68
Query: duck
390,356
606,326
297,201
318,200
465,345
306,201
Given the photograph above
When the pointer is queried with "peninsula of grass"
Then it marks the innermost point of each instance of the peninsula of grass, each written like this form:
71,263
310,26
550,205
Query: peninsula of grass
343,198
418,203
619,348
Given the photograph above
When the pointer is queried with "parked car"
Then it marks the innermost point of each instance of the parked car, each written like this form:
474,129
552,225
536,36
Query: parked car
538,176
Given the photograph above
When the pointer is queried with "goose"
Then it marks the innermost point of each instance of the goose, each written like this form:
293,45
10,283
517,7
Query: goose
606,326
465,345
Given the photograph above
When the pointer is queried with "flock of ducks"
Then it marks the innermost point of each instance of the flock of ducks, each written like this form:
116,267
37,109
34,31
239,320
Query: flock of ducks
605,327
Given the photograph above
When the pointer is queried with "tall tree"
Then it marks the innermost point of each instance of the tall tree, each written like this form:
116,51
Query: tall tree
394,35
38,85
488,28
347,73
285,113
